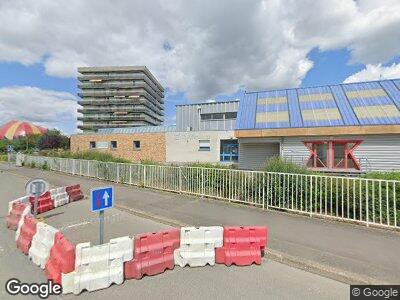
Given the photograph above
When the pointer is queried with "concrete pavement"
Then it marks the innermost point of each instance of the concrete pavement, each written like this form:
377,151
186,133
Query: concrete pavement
270,280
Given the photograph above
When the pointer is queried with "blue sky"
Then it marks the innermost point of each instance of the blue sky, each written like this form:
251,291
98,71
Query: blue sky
330,67
198,50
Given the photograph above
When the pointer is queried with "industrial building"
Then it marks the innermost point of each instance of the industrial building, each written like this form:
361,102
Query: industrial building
115,97
204,133
338,128
342,128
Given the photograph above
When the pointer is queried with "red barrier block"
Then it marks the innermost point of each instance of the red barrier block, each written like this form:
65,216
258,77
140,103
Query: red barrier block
74,192
28,230
61,259
242,246
45,203
15,215
154,253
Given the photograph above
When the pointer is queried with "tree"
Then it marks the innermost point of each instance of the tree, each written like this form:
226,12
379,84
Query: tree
53,139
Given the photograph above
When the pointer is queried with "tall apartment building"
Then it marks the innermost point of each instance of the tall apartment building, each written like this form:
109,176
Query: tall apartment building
119,97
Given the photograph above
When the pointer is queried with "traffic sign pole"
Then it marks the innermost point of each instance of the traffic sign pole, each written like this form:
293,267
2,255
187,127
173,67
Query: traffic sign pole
35,205
101,219
36,187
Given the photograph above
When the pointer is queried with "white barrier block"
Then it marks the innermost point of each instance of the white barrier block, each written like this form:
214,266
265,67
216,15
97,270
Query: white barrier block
121,247
56,191
60,199
26,212
41,245
197,246
24,199
97,267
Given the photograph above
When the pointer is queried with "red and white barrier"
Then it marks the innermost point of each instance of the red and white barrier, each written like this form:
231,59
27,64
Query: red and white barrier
74,192
153,253
61,260
97,267
243,246
17,209
24,199
60,196
25,212
197,246
42,242
28,230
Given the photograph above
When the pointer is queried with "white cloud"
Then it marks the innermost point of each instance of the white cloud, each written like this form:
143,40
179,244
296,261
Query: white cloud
50,109
216,46
375,72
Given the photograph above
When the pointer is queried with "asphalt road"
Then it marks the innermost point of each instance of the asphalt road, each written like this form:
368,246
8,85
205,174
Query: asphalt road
350,253
270,280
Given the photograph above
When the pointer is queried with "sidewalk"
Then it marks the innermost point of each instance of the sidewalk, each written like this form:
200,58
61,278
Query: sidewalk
342,251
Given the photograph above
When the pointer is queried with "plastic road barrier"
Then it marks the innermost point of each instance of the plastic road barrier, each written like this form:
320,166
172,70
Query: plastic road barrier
15,214
60,196
24,199
60,199
197,246
61,259
74,192
154,253
243,246
41,245
26,212
97,267
45,203
28,230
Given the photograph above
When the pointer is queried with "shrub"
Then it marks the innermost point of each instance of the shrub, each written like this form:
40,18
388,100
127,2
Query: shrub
53,139
88,155
280,165
383,175
211,166
45,166
148,162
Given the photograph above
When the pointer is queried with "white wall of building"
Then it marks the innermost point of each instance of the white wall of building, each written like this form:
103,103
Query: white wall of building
255,152
183,147
375,153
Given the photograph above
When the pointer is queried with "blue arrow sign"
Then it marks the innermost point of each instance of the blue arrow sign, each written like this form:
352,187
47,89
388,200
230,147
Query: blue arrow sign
102,198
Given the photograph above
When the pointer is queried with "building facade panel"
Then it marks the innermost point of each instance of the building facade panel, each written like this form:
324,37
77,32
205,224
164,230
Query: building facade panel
207,116
255,153
375,152
152,146
196,146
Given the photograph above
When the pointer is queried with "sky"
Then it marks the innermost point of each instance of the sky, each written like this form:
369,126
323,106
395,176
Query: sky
199,49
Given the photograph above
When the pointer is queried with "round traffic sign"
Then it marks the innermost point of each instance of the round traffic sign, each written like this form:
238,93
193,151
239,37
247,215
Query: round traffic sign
36,187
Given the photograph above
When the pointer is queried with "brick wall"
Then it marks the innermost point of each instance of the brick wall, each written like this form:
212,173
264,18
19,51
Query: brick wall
152,145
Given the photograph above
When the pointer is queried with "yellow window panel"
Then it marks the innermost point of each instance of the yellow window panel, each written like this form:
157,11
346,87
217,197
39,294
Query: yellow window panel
272,100
274,116
377,111
316,97
366,94
321,114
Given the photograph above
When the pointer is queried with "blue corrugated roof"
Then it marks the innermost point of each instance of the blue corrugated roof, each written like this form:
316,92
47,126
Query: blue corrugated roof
140,129
364,103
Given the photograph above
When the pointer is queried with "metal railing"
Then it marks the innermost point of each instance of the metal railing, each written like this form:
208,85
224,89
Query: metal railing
362,200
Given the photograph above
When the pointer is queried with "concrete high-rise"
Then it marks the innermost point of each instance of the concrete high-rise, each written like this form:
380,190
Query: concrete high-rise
119,97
